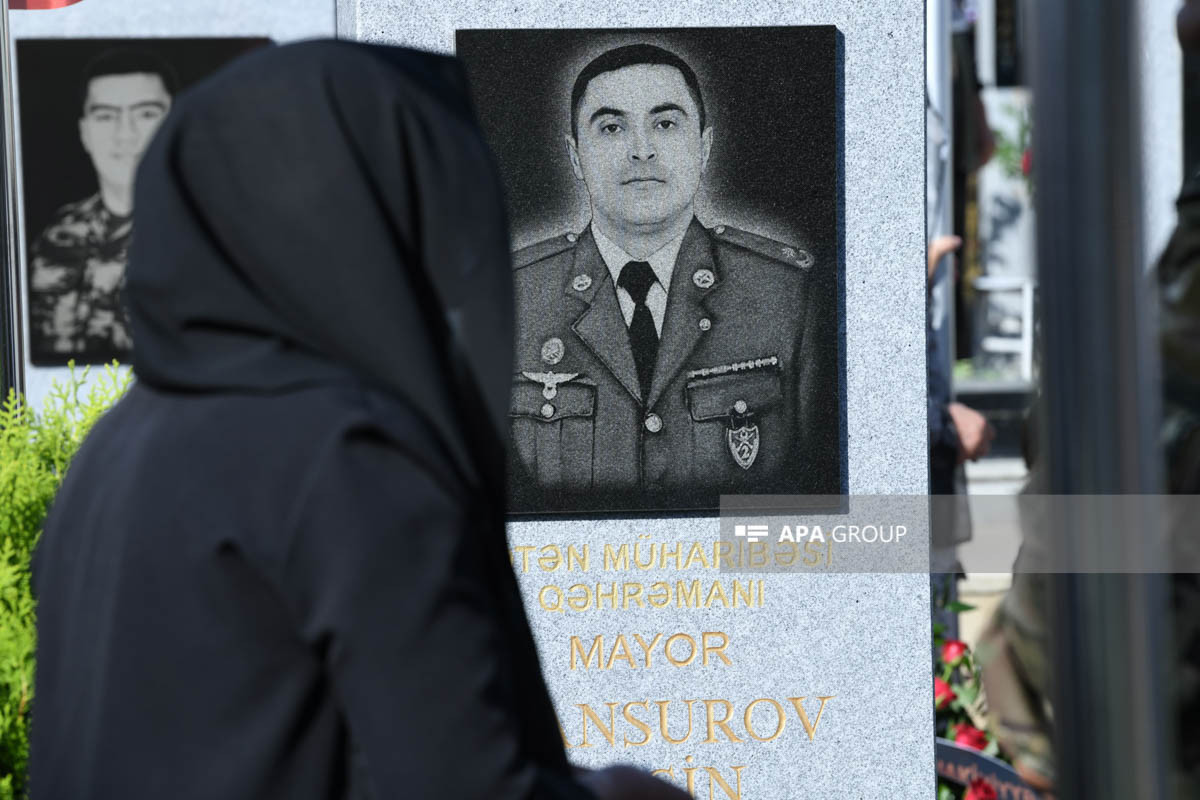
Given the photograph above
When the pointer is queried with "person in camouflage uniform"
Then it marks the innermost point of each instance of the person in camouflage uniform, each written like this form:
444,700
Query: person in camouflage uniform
77,264
1179,282
1013,653
1015,649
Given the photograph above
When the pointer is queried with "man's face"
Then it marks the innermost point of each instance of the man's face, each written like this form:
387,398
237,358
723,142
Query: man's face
120,115
639,147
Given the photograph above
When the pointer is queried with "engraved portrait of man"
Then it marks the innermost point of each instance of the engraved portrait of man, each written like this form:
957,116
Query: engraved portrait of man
662,360
77,264
88,109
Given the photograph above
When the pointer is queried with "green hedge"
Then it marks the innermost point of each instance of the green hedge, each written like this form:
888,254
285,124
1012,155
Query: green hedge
35,449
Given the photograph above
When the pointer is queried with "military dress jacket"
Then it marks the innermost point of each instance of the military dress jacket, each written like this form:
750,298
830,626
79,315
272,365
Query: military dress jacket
743,396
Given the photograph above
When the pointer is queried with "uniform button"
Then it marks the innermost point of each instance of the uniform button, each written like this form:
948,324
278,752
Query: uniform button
547,410
653,423
571,237
740,406
705,324
720,229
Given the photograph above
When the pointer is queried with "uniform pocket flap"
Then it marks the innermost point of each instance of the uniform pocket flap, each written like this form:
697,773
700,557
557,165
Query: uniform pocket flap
570,400
719,396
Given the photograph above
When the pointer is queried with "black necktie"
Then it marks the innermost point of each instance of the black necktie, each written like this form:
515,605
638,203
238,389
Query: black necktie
637,278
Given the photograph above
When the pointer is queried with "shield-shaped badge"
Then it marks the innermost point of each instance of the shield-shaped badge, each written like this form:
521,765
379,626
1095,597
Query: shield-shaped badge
743,444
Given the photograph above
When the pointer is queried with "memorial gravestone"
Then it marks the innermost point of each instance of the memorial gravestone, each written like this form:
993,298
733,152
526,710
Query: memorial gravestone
665,642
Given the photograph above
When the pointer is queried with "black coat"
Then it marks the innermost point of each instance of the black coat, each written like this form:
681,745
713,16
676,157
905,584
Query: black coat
238,593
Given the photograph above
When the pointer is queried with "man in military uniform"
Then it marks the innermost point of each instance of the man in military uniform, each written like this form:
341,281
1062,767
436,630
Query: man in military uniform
660,361
77,264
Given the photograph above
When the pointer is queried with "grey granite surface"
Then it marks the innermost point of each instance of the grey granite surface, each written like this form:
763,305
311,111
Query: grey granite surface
347,18
861,638
283,21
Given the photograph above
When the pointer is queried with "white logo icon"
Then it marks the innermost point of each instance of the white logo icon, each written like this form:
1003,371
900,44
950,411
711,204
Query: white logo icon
751,533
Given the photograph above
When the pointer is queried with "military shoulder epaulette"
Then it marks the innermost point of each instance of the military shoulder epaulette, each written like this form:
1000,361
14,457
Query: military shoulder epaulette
544,249
768,248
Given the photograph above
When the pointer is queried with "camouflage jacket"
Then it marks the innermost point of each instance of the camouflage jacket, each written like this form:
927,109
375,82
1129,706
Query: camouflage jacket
1179,339
76,277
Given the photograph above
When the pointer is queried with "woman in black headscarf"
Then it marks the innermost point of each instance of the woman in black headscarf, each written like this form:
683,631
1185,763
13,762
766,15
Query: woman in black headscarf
278,567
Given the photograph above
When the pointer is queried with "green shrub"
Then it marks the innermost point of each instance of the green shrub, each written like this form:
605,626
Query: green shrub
35,448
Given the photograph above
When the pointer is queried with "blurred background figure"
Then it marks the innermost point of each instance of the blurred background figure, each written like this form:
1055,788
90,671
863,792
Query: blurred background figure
1019,648
959,141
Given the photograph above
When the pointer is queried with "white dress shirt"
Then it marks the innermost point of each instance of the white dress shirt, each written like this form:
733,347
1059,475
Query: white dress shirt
662,263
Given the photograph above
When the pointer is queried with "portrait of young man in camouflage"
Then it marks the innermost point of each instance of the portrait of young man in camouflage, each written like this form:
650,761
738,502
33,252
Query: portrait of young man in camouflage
77,263
87,111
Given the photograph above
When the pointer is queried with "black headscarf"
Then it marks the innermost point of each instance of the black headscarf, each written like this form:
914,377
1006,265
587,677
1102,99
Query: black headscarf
324,207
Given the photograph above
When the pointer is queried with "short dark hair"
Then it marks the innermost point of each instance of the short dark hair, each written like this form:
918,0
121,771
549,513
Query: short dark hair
628,56
125,61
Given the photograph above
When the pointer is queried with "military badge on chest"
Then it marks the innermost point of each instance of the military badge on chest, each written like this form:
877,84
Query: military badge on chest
734,394
550,381
552,353
742,436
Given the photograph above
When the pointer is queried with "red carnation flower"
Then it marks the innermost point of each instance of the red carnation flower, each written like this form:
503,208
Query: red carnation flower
953,652
1027,162
969,736
943,695
980,790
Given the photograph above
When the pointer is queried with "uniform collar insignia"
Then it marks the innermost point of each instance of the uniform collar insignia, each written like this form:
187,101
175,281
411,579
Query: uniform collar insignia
587,262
